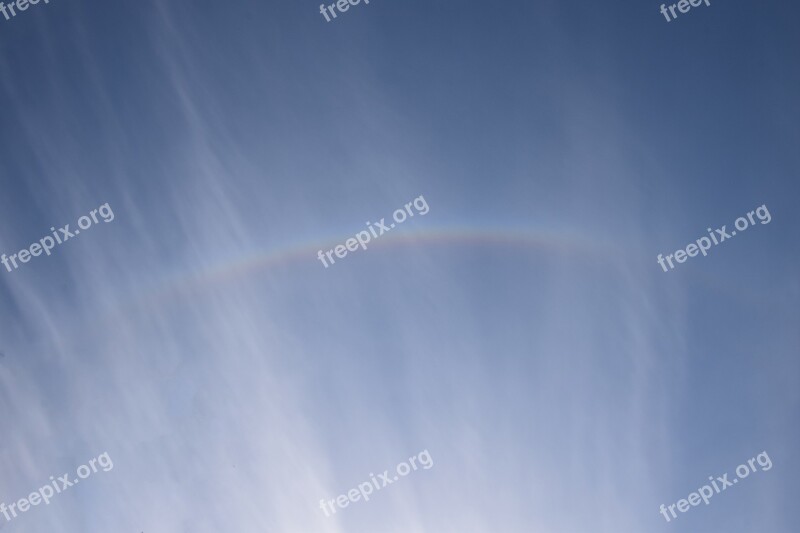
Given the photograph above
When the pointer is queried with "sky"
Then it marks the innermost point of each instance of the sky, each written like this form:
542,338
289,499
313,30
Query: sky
521,331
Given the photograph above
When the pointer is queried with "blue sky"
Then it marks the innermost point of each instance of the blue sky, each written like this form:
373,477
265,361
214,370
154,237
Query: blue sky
521,331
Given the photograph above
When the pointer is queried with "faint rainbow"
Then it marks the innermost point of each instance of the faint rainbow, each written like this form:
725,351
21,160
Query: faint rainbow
564,242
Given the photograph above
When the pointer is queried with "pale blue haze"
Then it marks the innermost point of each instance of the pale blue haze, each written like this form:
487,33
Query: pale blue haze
521,331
